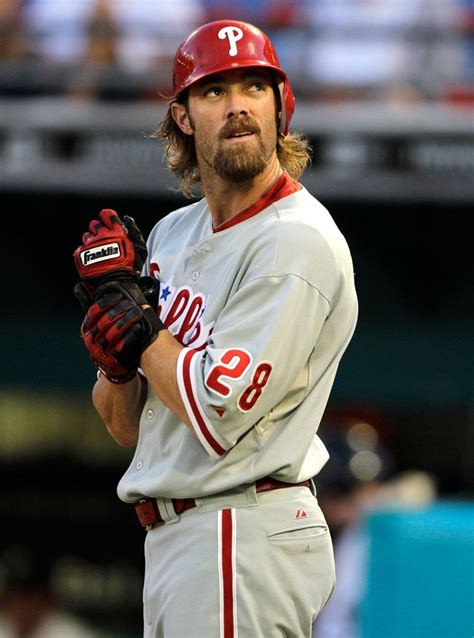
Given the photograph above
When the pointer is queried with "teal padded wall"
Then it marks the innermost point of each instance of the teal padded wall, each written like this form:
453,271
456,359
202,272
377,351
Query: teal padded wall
421,573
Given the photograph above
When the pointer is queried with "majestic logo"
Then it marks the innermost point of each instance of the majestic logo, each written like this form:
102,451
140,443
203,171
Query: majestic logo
301,513
100,253
234,34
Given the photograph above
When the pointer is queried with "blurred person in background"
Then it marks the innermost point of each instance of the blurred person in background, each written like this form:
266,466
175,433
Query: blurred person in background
28,608
102,35
102,39
10,30
359,478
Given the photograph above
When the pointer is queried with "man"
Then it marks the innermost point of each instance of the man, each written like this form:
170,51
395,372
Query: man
256,307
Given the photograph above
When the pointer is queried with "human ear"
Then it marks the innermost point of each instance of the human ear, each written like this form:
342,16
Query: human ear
181,117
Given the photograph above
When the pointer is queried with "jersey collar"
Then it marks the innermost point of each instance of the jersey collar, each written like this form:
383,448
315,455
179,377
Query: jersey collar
282,187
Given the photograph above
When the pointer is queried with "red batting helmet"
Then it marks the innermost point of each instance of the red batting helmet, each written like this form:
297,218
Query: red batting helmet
230,44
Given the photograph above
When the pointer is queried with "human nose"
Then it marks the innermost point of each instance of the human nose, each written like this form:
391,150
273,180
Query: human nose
235,105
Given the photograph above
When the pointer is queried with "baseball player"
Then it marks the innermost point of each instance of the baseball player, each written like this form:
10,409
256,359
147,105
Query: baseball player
218,362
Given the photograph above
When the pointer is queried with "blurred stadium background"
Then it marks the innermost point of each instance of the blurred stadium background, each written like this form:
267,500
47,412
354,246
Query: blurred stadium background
385,93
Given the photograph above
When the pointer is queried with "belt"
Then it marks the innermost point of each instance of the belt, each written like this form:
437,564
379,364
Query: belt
149,514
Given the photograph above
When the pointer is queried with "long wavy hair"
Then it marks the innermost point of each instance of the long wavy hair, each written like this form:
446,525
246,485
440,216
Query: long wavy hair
293,152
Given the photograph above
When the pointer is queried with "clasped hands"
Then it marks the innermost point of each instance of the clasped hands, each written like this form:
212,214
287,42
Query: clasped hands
120,305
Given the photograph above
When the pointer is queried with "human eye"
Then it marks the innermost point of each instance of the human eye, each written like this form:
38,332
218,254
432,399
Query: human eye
213,91
257,86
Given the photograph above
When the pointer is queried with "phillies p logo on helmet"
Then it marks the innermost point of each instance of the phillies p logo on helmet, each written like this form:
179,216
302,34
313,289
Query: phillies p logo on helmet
234,34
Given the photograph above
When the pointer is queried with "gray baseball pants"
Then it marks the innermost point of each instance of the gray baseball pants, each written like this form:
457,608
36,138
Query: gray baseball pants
240,564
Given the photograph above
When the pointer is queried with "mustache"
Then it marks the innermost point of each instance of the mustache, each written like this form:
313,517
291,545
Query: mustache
239,126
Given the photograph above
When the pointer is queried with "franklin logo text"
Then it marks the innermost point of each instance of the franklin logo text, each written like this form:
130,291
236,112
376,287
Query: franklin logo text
100,253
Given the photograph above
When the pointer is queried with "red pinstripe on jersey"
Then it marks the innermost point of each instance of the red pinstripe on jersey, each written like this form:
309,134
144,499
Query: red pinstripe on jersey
201,424
227,573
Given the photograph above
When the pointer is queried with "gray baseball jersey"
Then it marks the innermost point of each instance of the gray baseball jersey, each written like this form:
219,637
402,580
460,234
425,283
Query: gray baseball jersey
265,306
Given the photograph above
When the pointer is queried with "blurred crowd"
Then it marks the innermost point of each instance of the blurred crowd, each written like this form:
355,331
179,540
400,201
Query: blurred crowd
332,49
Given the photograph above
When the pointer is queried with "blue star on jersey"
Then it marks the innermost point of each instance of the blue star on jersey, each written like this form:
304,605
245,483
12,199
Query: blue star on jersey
165,293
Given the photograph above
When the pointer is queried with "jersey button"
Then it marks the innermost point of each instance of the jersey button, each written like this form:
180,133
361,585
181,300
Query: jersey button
139,465
150,414
195,275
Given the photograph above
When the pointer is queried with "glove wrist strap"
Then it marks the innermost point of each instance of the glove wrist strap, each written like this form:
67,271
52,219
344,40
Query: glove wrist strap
119,379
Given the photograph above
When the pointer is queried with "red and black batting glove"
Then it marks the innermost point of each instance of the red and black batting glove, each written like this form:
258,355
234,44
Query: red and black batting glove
117,328
111,249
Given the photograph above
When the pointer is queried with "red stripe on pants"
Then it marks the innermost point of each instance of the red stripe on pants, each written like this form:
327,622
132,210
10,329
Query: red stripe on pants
227,573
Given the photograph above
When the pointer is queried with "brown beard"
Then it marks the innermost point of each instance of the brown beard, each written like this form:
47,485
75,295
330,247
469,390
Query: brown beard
237,164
